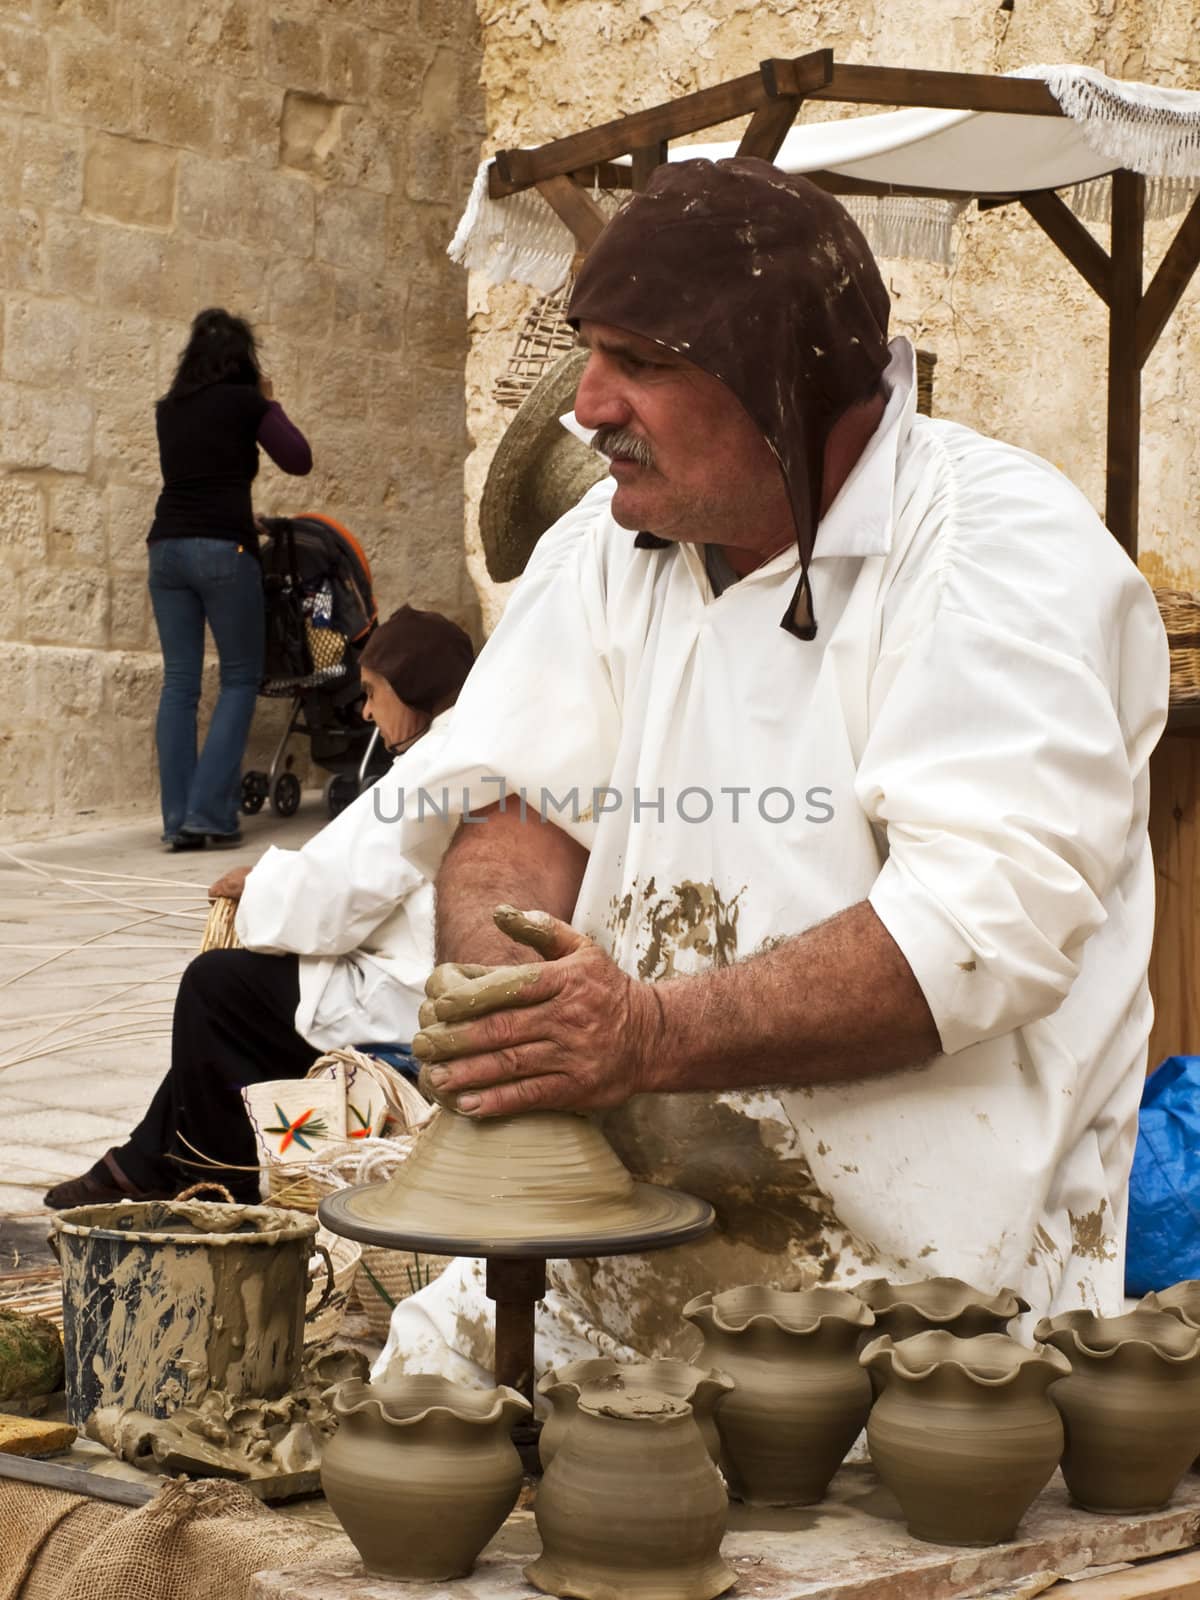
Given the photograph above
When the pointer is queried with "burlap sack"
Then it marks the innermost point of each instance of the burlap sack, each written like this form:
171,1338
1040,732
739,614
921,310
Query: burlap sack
193,1541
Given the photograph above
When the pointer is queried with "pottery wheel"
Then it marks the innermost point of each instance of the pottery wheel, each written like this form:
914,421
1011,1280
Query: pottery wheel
546,1184
656,1219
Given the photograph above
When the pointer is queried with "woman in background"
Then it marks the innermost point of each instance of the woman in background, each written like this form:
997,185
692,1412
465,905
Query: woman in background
204,567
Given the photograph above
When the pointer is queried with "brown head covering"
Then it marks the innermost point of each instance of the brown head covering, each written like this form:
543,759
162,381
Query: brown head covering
423,655
764,281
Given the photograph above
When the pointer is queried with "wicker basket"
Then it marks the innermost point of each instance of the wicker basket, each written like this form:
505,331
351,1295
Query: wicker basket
1180,613
219,930
324,1321
385,1277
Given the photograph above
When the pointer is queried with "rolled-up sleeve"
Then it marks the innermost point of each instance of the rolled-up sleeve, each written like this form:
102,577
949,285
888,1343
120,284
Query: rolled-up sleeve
1006,764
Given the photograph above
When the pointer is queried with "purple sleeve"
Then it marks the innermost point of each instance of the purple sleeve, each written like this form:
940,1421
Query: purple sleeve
283,441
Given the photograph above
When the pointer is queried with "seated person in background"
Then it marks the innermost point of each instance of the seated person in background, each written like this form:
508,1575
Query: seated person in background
338,943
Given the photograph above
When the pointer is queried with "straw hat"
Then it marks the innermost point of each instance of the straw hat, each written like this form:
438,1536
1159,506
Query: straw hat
539,471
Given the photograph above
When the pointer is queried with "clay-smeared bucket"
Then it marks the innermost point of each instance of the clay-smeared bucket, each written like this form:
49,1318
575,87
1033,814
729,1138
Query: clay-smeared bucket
163,1299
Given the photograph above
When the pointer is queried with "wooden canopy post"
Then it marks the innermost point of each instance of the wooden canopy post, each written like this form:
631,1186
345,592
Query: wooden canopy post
1125,359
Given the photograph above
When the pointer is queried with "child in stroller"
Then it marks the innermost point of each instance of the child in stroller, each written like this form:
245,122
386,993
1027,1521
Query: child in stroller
320,612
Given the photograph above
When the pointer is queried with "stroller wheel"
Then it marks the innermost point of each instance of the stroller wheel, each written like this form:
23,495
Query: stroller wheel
254,792
340,791
285,797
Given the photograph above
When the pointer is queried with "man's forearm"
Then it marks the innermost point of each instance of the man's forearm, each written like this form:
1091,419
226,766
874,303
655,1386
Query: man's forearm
526,862
833,1005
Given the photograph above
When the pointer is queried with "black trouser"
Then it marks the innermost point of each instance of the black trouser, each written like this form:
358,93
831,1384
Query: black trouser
233,1025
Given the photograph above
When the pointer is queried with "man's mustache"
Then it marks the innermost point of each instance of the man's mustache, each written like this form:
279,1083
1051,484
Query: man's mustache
623,442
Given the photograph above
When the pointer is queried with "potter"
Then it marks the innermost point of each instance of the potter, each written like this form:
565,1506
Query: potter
847,1033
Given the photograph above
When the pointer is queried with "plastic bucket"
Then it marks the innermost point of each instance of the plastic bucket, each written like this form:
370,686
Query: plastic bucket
164,1299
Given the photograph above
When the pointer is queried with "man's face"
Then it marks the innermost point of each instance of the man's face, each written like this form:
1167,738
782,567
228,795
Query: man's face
688,461
398,723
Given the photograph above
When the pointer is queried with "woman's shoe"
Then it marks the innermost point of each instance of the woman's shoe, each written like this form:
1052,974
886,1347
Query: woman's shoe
187,841
224,841
100,1185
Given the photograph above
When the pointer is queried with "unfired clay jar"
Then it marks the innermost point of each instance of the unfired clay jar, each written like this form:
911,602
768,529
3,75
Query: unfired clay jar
904,1309
595,1381
1182,1300
964,1433
1131,1407
799,1397
421,1472
631,1507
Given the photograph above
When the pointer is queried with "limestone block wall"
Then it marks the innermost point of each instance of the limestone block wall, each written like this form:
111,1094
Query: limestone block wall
1020,339
301,163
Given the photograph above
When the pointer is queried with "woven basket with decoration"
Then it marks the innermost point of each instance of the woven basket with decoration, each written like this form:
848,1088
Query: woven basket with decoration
385,1277
1180,613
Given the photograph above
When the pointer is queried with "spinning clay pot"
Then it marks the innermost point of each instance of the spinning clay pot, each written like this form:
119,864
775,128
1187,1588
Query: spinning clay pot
1131,1407
595,1381
631,1507
800,1396
421,1472
964,1433
905,1309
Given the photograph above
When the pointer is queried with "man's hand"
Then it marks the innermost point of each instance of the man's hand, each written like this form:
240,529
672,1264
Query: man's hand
230,885
569,1033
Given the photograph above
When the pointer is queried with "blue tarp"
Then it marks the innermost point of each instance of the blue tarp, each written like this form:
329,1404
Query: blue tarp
1164,1187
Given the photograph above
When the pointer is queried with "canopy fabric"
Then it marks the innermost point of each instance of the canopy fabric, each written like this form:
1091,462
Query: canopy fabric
1109,123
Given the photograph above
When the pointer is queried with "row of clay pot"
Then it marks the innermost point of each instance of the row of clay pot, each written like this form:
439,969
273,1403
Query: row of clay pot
964,1426
965,1431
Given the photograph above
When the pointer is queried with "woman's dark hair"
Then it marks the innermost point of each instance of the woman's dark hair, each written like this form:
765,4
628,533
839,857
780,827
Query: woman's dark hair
220,349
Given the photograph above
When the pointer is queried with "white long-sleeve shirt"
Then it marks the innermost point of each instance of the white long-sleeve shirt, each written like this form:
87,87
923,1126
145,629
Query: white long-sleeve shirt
965,744
357,913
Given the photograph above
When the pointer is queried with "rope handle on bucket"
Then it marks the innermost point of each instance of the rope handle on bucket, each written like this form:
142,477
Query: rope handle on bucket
188,1194
320,1250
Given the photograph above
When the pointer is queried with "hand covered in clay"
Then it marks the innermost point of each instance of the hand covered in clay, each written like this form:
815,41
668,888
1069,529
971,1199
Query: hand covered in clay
571,1032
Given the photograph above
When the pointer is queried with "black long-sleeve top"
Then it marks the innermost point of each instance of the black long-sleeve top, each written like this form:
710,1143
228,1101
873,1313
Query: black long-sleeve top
208,450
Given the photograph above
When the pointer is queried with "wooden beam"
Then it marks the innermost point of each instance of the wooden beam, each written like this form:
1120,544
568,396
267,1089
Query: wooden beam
948,91
769,127
839,183
1059,222
1168,283
644,162
520,169
1124,367
576,208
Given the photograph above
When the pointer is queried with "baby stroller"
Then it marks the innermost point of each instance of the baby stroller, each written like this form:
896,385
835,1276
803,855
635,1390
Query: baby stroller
320,611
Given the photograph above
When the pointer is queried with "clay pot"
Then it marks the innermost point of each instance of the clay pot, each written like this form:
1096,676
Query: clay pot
1182,1300
421,1472
905,1309
964,1433
800,1397
596,1380
631,1507
1131,1407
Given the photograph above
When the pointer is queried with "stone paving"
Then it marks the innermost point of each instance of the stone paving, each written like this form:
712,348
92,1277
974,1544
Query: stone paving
95,930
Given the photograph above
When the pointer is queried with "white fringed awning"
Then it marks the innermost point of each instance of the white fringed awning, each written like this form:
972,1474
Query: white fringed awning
1108,124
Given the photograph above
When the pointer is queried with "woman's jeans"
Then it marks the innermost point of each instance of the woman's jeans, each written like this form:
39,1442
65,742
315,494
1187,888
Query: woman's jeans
192,580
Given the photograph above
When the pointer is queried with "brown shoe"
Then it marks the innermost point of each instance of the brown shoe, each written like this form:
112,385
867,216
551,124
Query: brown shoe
99,1185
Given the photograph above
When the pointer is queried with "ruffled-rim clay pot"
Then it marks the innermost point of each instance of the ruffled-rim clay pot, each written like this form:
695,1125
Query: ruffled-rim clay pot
1159,1332
949,1303
991,1360
595,1381
405,1401
794,1310
1181,1300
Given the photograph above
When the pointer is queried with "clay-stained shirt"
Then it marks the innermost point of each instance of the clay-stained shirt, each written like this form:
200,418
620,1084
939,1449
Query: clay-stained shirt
965,745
